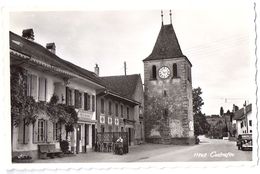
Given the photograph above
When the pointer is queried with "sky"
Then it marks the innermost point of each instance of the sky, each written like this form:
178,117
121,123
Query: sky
217,40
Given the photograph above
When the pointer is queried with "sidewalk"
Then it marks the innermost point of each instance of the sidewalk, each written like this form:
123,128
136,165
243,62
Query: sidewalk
136,153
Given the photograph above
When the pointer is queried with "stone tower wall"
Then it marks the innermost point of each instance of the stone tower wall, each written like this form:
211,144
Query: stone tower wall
168,104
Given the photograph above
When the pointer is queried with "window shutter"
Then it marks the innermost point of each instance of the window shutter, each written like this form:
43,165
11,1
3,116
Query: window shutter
33,87
35,132
49,128
67,96
93,103
21,132
85,101
26,134
88,102
54,131
76,98
42,89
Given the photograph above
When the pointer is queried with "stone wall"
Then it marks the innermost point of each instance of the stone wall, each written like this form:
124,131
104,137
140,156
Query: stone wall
168,103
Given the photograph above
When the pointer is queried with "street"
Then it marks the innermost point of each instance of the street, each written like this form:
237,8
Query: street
207,150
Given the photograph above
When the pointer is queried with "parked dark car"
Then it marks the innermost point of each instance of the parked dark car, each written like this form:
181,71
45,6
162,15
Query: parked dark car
244,141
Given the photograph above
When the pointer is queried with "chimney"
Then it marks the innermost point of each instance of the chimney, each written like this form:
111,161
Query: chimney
28,34
51,47
97,70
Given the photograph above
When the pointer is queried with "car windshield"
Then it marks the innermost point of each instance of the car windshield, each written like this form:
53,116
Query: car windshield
247,136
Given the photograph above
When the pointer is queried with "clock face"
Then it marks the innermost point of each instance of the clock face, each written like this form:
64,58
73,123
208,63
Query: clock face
164,72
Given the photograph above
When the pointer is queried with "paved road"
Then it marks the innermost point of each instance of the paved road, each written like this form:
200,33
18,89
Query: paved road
207,150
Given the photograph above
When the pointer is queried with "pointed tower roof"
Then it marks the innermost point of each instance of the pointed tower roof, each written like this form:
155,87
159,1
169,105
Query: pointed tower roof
166,46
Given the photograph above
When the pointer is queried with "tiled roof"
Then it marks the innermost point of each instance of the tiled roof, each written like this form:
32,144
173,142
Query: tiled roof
240,113
124,85
37,51
166,46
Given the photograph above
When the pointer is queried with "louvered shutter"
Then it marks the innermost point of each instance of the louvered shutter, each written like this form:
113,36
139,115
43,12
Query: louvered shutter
54,131
49,131
93,103
26,134
42,89
33,87
76,98
85,101
35,132
21,132
67,96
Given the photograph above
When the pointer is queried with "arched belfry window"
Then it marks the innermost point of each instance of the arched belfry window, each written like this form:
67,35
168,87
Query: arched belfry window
174,70
154,72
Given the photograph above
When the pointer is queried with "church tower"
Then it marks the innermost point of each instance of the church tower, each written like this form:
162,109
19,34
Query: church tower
168,91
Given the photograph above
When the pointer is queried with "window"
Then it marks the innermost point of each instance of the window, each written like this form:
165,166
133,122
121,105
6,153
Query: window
56,131
42,89
78,99
122,111
41,130
154,72
127,112
31,85
23,132
102,128
86,101
241,124
250,122
110,108
68,96
174,70
165,112
102,106
250,131
93,103
116,107
164,93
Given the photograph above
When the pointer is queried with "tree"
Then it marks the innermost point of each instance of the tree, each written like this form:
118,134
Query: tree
197,100
201,126
221,111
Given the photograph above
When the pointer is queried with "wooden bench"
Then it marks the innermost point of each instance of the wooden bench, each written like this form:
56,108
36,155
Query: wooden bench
48,150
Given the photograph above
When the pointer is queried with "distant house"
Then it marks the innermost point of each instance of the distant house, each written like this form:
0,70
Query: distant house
48,75
243,120
120,108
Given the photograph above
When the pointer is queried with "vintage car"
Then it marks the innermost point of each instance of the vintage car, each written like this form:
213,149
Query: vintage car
244,141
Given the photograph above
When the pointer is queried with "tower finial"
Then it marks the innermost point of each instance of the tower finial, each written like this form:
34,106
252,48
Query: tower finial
162,16
171,16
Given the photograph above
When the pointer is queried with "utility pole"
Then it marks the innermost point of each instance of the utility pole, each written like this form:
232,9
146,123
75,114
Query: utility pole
125,67
246,117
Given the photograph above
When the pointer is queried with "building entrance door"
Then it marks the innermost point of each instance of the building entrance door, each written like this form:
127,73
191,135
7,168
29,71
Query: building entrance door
129,136
78,138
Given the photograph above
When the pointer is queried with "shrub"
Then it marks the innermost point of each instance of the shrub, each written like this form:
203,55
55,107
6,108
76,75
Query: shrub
64,146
